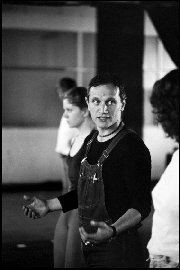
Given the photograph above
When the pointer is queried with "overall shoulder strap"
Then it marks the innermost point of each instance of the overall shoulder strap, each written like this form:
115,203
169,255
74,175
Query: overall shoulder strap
90,142
114,142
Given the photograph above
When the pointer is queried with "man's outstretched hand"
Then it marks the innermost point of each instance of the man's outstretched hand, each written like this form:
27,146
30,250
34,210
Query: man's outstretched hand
34,207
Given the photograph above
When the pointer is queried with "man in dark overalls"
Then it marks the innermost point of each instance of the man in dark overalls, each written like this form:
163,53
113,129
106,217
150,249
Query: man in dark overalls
113,195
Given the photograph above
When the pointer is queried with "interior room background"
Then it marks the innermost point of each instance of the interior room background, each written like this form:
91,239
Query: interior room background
40,45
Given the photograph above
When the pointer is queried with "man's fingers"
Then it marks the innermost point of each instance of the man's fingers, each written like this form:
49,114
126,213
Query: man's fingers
82,231
25,210
86,235
26,198
33,215
97,223
29,212
29,200
83,238
83,234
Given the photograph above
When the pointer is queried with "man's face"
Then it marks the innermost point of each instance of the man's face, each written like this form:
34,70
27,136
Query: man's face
105,105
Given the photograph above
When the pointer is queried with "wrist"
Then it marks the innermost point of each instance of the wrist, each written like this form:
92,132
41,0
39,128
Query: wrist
48,205
114,231
53,205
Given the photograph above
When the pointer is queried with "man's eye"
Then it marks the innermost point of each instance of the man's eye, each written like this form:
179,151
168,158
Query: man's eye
110,102
95,101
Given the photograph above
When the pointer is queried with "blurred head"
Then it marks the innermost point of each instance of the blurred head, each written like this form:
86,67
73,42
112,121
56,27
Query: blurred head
106,100
165,102
65,84
75,106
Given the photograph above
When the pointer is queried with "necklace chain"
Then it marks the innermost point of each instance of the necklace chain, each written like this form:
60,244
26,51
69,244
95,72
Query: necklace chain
102,136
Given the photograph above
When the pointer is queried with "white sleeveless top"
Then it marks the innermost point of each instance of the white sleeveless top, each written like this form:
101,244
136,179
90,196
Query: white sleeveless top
165,229
64,137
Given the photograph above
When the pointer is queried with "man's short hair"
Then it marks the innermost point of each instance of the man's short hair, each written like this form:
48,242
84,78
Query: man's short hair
108,78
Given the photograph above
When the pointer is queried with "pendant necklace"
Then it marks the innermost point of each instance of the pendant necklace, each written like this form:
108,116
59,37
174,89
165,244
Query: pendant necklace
102,136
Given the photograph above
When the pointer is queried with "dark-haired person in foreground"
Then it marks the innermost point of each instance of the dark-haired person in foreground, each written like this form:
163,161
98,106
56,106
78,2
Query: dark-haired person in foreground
113,194
164,243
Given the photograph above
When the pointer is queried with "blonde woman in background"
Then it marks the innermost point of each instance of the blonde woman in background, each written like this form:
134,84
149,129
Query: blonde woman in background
65,133
67,251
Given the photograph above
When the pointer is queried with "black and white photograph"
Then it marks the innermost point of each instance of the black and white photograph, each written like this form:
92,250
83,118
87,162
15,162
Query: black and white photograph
90,134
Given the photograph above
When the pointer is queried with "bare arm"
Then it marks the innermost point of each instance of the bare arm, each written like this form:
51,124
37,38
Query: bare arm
54,205
130,219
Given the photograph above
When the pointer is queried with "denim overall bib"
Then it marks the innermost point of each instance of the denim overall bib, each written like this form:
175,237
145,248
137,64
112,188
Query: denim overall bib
91,200
91,197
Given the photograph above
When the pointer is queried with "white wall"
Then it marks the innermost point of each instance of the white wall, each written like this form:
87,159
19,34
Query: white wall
159,146
78,19
28,155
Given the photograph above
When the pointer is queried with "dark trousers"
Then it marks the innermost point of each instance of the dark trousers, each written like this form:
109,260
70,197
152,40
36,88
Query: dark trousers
123,252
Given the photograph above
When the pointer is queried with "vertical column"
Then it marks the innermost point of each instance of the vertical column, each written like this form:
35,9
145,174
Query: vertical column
80,59
120,50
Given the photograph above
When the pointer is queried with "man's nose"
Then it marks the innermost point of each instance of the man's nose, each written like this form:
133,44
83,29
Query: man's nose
103,108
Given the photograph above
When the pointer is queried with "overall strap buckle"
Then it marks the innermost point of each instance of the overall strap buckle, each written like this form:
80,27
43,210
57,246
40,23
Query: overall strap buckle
105,153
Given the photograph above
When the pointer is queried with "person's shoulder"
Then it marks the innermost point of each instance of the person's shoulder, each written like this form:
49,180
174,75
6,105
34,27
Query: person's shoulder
130,133
133,140
90,136
87,140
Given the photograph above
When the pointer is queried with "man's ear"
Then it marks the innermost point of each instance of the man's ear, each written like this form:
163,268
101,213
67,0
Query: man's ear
87,100
123,105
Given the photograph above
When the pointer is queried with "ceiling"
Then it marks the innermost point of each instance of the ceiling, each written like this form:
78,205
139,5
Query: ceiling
88,3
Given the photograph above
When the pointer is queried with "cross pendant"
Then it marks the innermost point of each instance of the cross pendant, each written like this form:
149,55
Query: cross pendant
94,178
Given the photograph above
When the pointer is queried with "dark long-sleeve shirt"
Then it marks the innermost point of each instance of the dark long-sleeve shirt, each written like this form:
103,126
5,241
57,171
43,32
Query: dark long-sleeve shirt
126,176
74,164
